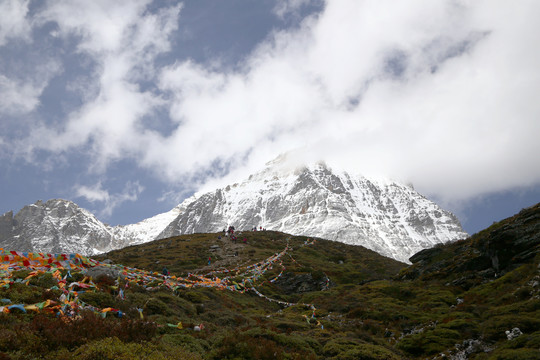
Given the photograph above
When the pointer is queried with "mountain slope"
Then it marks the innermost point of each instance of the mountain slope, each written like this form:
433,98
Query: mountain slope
145,230
486,255
54,226
323,300
387,217
60,226
382,215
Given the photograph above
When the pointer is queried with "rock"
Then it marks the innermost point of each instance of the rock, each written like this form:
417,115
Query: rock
468,347
97,271
491,253
425,255
292,283
514,333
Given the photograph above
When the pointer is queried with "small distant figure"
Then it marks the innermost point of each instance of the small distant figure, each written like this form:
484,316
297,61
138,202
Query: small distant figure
198,327
244,241
165,271
209,260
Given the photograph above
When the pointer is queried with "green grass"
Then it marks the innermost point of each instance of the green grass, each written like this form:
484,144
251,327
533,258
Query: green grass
375,307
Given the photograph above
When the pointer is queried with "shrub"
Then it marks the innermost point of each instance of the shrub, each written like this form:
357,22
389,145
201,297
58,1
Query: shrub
368,352
465,326
55,332
429,342
104,280
20,274
494,328
187,341
335,347
261,344
114,349
98,299
44,280
176,305
21,293
155,306
398,292
516,354
193,295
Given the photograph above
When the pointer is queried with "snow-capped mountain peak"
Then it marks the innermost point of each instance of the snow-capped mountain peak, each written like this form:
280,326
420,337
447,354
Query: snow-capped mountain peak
312,200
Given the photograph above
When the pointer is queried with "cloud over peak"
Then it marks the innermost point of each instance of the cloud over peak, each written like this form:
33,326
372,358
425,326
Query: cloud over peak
441,94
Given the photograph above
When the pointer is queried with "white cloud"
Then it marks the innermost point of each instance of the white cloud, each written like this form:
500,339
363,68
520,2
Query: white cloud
438,93
284,7
92,193
13,21
17,96
20,93
442,94
123,39
96,193
23,83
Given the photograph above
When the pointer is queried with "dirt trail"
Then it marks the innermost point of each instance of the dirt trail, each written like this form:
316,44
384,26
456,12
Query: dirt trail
228,252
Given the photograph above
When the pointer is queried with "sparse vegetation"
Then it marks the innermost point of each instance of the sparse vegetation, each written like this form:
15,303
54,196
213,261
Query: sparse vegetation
370,307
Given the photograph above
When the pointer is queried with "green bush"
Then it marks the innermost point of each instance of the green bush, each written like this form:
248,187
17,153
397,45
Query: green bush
176,304
45,280
98,299
21,293
186,340
467,327
368,352
399,292
114,349
337,346
20,274
516,354
429,342
261,344
193,296
155,306
494,328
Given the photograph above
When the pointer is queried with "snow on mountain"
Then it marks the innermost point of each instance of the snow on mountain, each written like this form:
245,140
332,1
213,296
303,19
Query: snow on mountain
387,217
145,230
60,226
54,226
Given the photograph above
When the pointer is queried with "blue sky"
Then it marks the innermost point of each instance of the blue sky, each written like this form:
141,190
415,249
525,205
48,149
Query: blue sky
128,107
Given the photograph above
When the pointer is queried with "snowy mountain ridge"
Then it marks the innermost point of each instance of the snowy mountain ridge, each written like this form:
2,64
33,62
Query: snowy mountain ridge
382,215
60,226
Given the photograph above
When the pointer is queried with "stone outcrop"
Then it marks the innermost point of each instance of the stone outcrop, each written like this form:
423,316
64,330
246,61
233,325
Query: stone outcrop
490,253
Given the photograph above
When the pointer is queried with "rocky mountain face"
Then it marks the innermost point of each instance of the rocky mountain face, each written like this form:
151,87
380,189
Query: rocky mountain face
486,255
60,226
54,226
389,218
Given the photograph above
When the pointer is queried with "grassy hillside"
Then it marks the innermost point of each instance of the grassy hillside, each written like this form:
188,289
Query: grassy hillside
302,300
